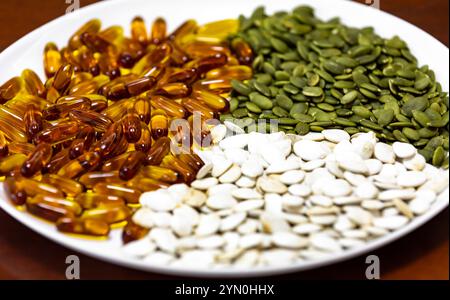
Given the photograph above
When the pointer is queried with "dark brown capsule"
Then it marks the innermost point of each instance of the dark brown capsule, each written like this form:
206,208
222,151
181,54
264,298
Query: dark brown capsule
92,200
82,142
174,90
159,125
143,109
58,133
40,157
87,162
133,232
14,193
65,105
62,77
171,162
145,142
57,162
242,50
140,85
206,64
33,121
131,165
94,42
159,149
98,121
33,84
158,32
3,146
110,140
90,227
170,107
132,127
10,89
187,76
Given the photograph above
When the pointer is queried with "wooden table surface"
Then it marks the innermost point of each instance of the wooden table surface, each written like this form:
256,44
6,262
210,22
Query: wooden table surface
424,254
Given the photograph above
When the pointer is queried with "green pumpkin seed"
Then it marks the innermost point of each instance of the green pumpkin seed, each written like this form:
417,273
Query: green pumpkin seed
438,156
240,113
361,111
312,91
260,100
344,122
411,134
349,97
240,87
279,112
287,121
302,128
234,103
252,107
386,116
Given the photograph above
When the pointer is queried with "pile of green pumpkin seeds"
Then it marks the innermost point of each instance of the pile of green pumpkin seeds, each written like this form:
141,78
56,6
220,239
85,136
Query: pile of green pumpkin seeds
312,75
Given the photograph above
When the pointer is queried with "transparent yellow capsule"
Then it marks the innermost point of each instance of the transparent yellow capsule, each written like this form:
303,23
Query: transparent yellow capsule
218,31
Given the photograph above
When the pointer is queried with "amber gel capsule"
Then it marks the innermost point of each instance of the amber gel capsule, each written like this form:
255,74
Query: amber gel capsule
33,83
52,59
90,179
82,142
62,77
159,149
132,126
3,146
159,125
145,142
139,31
69,187
98,121
92,200
110,140
85,163
170,107
92,227
59,133
159,29
129,194
242,50
108,214
33,121
131,165
37,160
16,195
133,232
143,109
10,89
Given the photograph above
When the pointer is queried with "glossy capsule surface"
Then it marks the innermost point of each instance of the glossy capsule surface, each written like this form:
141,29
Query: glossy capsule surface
4,149
69,187
131,165
129,194
132,127
159,125
145,142
91,227
33,121
90,179
14,193
93,200
170,107
159,149
133,232
52,59
158,32
10,89
38,159
85,163
96,120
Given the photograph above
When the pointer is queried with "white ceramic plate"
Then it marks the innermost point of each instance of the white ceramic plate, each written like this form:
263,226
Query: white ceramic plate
27,53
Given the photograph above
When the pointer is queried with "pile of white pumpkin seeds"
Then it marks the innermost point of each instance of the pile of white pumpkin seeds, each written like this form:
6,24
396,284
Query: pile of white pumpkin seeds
276,199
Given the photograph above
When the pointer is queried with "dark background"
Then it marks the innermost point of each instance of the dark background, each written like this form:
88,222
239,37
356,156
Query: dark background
24,254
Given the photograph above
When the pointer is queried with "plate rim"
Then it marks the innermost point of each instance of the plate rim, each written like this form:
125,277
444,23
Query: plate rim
70,242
